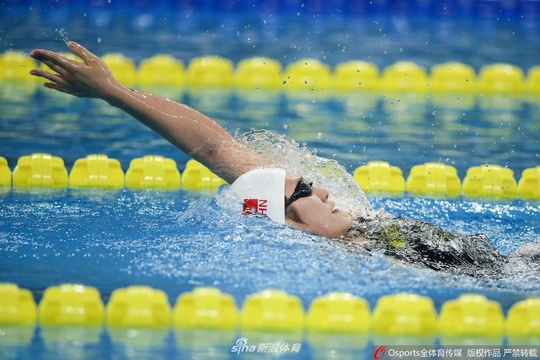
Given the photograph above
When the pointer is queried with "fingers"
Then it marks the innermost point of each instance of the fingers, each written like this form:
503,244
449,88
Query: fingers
81,52
71,76
54,61
58,69
58,62
55,78
59,87
49,56
55,82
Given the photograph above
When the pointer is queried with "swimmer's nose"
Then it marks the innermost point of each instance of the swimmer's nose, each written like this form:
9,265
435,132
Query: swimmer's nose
321,193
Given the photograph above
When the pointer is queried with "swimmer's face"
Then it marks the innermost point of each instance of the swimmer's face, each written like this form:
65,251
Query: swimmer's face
315,213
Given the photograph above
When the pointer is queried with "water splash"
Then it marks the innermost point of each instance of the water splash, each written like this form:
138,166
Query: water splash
524,264
472,255
63,35
326,173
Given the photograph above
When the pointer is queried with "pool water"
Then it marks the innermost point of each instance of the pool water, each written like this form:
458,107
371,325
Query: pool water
177,240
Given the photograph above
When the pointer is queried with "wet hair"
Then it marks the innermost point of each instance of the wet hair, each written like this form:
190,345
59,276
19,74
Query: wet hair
292,214
427,245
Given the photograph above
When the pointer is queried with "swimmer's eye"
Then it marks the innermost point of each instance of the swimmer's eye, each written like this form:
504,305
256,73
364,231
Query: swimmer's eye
302,189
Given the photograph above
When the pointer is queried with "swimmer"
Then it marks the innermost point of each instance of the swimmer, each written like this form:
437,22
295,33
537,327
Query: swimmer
303,206
264,188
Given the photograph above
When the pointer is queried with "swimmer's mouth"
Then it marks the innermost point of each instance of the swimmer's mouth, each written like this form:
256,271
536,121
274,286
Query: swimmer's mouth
335,211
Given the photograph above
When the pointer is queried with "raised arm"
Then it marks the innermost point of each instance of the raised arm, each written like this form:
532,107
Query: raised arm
189,130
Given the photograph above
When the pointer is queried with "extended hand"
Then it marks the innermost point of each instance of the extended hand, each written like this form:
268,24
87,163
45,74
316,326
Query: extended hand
90,78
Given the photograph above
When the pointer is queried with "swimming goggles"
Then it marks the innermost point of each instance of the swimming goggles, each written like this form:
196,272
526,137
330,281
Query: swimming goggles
302,189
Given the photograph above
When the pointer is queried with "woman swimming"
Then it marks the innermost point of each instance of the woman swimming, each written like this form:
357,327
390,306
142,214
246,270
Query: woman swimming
265,188
197,135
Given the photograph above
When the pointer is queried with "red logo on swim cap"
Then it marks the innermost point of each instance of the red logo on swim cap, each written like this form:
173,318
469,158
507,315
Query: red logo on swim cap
379,353
255,206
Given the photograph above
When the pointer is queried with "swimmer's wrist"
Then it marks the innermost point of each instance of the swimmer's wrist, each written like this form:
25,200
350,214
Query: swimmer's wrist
115,94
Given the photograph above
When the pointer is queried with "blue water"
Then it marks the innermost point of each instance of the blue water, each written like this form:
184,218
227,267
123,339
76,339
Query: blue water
177,240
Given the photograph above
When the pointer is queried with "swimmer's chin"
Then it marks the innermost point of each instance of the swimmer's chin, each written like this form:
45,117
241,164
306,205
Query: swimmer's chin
345,214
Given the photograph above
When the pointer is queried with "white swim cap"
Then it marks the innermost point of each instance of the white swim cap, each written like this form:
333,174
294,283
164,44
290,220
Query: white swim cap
263,193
